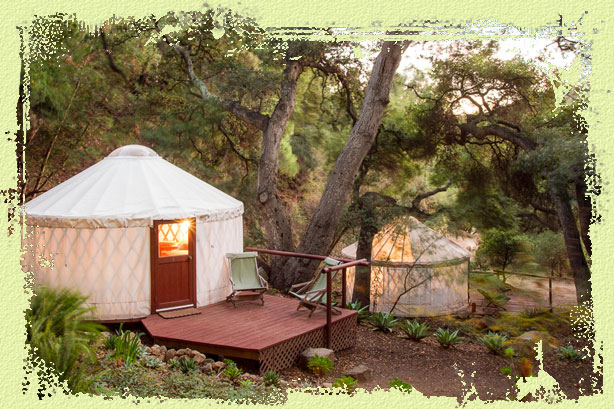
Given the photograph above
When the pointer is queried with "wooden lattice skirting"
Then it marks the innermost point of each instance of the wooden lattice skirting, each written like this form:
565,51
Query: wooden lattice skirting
286,354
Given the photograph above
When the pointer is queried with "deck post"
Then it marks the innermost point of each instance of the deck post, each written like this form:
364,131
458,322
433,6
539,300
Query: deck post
329,305
343,286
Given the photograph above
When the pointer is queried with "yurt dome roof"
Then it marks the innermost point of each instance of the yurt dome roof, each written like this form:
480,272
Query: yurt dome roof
407,241
131,187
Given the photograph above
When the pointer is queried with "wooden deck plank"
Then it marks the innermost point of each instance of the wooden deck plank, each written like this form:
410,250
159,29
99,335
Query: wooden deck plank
250,327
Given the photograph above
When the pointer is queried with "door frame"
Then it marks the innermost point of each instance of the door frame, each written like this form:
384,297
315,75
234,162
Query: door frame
191,258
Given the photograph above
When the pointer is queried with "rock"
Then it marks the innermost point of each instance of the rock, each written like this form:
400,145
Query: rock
309,353
462,315
183,351
525,343
199,358
207,368
327,385
163,350
209,361
219,365
155,350
170,354
148,350
361,373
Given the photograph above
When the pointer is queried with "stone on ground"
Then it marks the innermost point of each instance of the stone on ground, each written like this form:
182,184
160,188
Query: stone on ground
361,373
309,353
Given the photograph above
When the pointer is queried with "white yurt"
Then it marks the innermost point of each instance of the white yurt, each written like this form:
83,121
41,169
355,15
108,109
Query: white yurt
407,255
135,234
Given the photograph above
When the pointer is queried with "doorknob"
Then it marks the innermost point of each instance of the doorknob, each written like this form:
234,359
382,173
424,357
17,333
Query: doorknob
189,257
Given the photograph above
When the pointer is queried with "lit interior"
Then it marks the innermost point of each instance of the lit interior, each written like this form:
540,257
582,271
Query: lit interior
173,239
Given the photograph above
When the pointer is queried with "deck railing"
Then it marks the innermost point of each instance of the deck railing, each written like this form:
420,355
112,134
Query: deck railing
343,267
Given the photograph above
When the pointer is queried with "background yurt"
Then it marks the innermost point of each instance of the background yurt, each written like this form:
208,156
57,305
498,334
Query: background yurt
134,233
425,273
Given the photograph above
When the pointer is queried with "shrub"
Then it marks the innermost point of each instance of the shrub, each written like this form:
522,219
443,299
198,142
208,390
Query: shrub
127,346
447,339
109,342
414,330
346,382
506,370
232,372
173,363
187,365
58,333
494,341
400,385
320,365
271,378
363,312
383,321
571,354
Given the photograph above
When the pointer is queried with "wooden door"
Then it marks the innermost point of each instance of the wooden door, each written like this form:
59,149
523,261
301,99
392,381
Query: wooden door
173,264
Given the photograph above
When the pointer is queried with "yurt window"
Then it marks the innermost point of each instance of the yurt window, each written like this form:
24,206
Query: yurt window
173,239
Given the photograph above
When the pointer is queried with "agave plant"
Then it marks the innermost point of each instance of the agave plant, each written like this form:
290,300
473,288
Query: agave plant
494,341
187,366
363,312
446,338
414,330
320,365
346,382
271,378
571,354
383,321
60,335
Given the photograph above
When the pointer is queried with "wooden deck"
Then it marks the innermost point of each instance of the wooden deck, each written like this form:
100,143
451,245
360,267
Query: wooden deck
273,334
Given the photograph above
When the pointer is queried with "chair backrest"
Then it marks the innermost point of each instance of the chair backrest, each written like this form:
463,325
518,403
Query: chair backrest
244,270
320,281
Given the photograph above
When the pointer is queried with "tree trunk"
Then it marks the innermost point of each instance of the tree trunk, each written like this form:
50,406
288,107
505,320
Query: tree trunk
276,223
577,261
584,215
322,227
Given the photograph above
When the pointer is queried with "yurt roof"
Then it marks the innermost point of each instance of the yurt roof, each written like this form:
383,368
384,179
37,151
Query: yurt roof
407,241
131,187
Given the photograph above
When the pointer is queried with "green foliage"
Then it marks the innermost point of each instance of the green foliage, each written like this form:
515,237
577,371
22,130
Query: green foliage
507,371
363,312
509,352
501,247
271,378
447,339
346,382
188,365
549,251
109,342
414,330
320,365
58,333
494,341
173,363
570,354
383,321
232,372
127,346
150,361
400,385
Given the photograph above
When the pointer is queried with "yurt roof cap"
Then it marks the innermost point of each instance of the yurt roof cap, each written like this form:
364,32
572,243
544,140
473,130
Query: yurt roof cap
131,187
407,241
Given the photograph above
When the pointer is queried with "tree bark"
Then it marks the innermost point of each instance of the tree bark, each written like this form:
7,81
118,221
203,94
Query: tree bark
584,215
577,261
322,227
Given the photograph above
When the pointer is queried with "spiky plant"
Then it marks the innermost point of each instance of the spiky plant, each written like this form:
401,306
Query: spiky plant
414,330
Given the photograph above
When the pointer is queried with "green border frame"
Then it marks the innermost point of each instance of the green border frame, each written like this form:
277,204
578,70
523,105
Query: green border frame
592,18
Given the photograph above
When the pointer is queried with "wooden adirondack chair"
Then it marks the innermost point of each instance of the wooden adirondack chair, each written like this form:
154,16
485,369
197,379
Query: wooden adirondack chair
496,299
247,284
312,294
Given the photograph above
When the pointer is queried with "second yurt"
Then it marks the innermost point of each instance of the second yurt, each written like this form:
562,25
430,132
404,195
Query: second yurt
136,234
423,272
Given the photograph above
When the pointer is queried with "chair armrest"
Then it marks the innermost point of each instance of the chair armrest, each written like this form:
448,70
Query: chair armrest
301,286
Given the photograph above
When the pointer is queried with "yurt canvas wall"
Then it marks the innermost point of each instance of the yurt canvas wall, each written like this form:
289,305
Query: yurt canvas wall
407,255
93,233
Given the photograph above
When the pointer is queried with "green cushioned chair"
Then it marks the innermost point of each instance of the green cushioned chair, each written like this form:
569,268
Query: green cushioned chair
312,294
247,284
495,299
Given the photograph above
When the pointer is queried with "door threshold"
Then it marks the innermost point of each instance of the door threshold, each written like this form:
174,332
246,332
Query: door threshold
174,308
